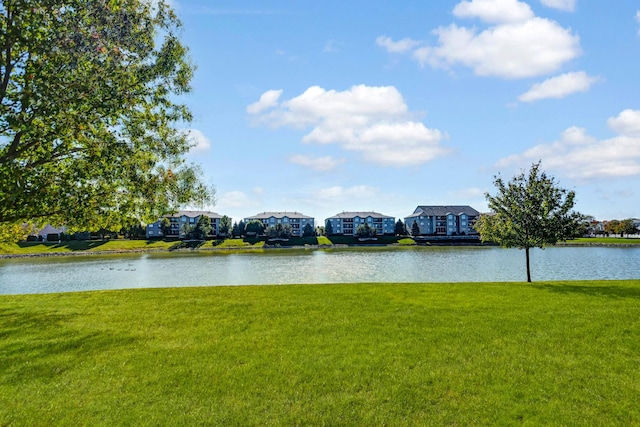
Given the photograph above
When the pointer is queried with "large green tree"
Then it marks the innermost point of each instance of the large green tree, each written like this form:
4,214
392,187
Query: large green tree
90,129
529,211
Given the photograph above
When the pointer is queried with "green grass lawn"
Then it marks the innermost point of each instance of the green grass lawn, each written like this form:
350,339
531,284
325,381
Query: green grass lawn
561,353
83,245
604,241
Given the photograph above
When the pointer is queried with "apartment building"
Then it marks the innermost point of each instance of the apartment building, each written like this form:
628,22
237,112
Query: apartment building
179,219
443,220
296,220
346,223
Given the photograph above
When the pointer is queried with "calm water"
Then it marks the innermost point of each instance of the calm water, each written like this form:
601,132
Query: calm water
436,264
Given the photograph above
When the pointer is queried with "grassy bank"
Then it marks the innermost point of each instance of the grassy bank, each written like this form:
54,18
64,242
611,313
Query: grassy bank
119,245
122,245
604,241
360,354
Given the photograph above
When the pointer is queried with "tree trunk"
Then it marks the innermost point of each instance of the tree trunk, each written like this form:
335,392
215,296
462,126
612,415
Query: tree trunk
526,251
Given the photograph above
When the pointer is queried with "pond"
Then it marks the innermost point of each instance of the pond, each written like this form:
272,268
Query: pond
289,266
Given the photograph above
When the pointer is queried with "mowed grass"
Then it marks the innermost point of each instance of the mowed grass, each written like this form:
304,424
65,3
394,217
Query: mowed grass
117,245
604,241
561,353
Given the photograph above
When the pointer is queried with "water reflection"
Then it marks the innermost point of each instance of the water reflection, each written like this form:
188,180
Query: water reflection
433,264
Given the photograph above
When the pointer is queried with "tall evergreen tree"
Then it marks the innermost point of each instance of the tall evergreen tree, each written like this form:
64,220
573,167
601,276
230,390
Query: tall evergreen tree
415,229
328,228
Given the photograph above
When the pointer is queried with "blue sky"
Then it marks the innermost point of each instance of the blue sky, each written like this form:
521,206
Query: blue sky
323,107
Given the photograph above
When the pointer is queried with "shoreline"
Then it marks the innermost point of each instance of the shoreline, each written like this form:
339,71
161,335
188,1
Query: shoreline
270,247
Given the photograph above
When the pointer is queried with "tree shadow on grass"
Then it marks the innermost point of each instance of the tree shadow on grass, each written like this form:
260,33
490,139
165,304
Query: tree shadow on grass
608,291
42,345
187,244
74,245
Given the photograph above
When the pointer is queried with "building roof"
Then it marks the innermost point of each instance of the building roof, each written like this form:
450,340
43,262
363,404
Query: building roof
279,215
193,214
360,215
50,229
444,210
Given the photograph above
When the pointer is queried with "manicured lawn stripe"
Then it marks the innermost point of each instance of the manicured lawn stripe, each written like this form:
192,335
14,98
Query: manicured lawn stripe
560,353
604,241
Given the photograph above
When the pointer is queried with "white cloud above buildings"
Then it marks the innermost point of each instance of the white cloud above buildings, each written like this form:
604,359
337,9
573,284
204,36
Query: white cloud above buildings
583,157
400,46
515,44
374,122
626,123
267,100
559,86
564,5
323,164
638,20
238,199
494,11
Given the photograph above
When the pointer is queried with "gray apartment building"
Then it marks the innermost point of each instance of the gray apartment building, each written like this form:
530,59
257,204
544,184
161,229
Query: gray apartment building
179,219
346,223
443,220
296,220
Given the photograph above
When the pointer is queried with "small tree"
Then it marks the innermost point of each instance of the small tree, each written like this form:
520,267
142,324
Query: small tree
202,228
415,228
308,231
254,227
187,230
612,227
400,228
238,229
530,211
165,226
225,225
279,231
627,227
364,231
134,232
328,228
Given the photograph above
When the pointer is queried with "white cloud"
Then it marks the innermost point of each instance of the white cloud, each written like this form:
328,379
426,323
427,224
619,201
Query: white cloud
200,143
626,123
559,86
400,46
494,11
517,45
356,193
326,163
237,199
373,121
468,193
638,19
566,5
515,50
267,100
582,156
